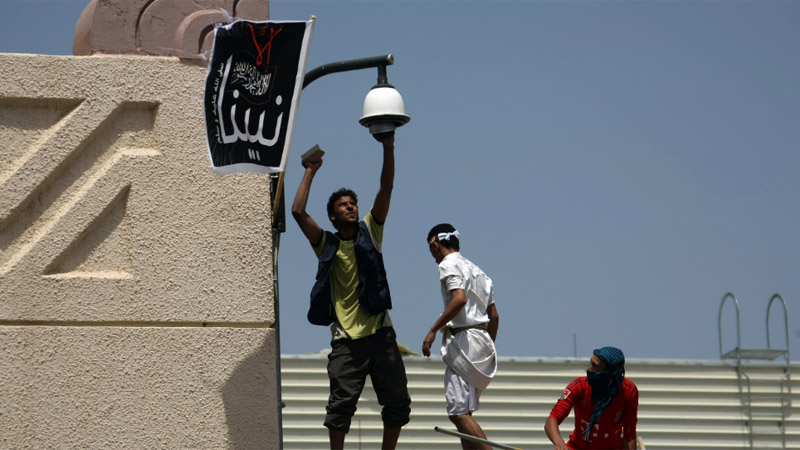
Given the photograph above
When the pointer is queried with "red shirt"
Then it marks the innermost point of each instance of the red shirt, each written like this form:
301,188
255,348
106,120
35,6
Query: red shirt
617,423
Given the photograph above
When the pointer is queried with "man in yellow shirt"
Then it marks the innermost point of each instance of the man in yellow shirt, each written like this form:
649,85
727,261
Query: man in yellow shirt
351,295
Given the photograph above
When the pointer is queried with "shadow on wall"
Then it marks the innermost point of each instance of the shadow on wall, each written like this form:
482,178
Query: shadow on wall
251,403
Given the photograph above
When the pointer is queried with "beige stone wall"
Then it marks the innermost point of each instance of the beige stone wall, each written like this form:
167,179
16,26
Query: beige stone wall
136,302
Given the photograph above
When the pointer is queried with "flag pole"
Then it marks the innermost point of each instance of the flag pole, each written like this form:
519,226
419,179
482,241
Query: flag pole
475,439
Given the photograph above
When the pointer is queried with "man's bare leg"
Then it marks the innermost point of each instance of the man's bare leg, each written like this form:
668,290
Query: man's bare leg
336,438
467,425
390,436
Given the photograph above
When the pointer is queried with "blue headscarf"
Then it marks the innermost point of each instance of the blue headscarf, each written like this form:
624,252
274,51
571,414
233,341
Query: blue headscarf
606,383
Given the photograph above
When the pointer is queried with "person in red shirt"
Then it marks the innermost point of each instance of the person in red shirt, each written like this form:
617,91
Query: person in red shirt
605,403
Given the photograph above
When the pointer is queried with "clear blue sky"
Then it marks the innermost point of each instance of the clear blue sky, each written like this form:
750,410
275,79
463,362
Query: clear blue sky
615,167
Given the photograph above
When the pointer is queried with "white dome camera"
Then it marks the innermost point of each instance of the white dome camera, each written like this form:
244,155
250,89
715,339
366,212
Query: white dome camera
384,109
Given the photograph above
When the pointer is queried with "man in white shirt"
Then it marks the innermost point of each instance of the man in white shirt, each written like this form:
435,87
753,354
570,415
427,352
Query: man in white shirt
469,323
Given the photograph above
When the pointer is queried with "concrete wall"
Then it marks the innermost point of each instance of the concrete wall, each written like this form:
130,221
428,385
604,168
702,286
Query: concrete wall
136,303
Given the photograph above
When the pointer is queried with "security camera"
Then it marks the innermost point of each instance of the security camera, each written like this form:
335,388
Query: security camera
384,109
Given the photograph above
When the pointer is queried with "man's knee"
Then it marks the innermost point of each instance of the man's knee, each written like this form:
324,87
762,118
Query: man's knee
460,419
396,415
396,405
342,426
338,421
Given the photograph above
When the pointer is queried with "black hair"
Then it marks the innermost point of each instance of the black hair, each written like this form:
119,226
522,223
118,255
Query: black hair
342,192
451,242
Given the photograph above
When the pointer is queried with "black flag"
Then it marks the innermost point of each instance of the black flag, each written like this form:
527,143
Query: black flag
252,90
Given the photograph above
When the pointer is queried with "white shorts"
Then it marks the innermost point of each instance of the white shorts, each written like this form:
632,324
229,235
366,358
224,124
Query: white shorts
461,397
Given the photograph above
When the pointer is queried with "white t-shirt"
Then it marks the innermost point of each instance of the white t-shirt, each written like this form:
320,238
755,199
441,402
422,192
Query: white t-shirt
457,272
470,352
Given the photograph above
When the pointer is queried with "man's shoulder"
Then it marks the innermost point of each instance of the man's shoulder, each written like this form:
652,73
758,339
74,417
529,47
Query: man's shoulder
449,266
372,225
370,220
326,239
575,389
578,383
629,386
454,259
458,259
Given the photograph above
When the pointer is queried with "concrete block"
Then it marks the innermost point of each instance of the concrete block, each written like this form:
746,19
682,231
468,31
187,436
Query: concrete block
128,387
109,209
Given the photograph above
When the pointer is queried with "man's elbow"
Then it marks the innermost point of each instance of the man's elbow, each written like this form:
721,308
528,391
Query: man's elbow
550,425
299,214
492,312
386,188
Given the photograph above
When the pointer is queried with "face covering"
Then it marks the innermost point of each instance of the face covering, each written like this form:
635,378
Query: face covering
601,383
606,383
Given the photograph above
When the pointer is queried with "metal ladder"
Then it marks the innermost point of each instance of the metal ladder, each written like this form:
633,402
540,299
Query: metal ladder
769,422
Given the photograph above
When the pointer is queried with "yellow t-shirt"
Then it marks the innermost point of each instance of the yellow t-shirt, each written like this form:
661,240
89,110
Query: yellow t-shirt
355,322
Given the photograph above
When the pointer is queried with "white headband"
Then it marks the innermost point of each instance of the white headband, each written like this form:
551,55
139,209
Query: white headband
446,236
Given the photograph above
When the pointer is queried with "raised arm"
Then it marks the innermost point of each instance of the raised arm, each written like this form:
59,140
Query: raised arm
308,225
380,209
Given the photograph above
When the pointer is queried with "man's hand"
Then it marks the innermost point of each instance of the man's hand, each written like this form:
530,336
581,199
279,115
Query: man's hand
427,342
314,166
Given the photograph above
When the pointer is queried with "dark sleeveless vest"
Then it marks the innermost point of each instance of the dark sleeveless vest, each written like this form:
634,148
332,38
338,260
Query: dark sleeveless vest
373,288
